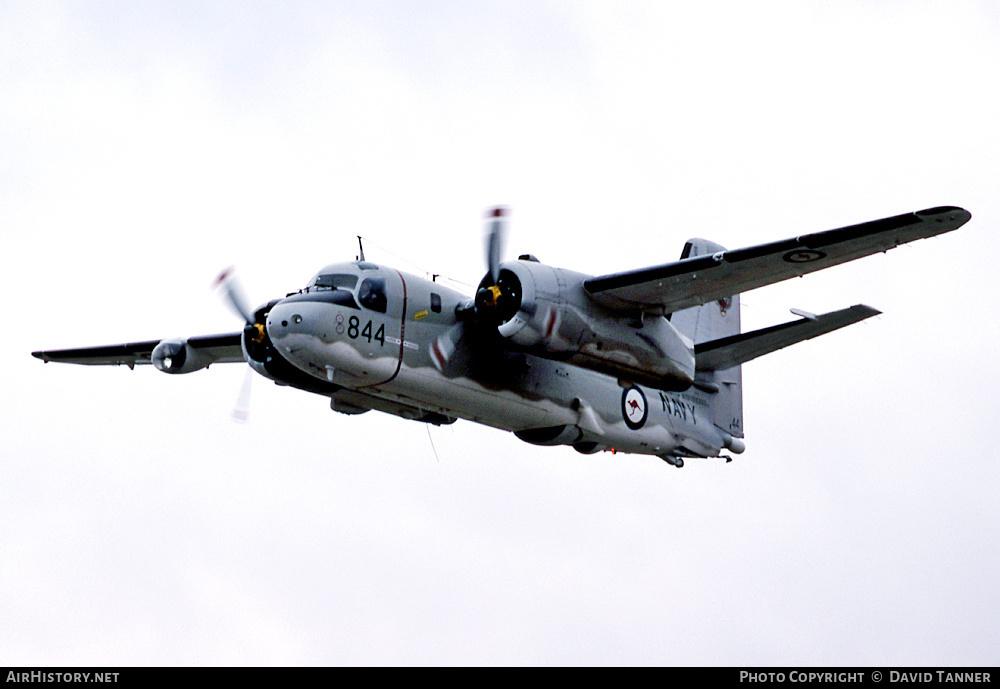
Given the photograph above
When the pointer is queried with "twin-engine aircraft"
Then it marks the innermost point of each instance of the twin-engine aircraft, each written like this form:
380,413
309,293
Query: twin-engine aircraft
646,361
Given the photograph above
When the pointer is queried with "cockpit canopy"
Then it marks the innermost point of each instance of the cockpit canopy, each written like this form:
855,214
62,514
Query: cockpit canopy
333,281
344,287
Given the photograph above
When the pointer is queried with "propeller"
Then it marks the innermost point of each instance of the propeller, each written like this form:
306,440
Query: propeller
488,295
496,234
234,296
241,410
497,292
445,345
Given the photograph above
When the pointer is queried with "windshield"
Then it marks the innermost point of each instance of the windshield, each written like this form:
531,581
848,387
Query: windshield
334,281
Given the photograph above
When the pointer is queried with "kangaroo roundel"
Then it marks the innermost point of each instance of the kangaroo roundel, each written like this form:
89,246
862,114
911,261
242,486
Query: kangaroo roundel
634,409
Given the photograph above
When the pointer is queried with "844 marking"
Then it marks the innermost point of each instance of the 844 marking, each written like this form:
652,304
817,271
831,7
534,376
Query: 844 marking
354,333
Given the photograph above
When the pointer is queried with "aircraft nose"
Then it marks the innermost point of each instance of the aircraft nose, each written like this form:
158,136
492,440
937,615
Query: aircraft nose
288,319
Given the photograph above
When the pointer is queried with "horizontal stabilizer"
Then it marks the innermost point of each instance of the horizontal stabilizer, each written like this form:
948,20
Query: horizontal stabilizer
718,355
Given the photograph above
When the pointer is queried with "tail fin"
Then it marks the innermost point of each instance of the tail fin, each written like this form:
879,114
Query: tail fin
714,321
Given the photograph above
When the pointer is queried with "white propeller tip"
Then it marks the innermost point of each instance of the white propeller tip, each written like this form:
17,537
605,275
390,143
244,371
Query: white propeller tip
223,276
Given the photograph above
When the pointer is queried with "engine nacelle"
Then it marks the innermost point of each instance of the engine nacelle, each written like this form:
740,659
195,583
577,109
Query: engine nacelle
177,356
548,312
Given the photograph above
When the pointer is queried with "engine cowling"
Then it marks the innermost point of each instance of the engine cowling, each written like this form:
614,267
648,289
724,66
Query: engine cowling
177,356
545,310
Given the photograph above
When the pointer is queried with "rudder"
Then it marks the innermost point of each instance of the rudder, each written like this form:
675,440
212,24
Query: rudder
713,321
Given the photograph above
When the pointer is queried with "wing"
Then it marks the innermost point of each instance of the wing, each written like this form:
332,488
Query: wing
225,348
701,279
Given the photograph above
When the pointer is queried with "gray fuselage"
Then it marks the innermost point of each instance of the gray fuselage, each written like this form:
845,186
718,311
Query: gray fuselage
369,332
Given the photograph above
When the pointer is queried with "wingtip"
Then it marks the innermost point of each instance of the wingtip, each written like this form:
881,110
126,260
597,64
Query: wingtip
869,311
955,214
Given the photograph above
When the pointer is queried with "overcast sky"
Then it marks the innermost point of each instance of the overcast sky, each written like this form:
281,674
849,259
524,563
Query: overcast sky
144,146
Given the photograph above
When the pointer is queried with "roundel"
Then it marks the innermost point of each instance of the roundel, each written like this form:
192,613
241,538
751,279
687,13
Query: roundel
634,409
803,256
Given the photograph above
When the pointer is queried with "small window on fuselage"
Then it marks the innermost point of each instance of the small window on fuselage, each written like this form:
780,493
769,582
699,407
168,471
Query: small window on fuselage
435,303
372,294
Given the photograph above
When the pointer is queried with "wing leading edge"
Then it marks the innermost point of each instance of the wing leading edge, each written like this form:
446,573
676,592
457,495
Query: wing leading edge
694,281
223,349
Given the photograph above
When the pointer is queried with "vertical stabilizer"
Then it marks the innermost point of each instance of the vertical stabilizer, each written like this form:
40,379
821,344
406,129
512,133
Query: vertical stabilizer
713,321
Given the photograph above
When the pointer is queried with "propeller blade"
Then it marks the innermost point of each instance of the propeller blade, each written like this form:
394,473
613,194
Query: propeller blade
241,411
444,346
234,294
495,240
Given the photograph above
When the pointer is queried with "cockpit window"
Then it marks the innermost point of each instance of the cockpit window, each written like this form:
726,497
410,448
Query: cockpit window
334,281
340,297
372,294
343,298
